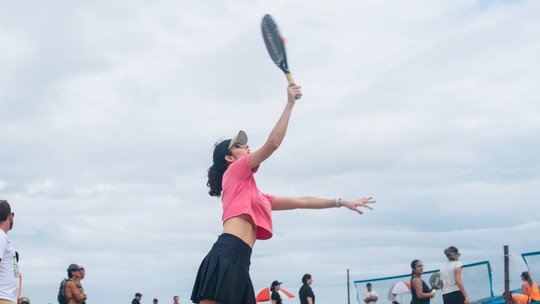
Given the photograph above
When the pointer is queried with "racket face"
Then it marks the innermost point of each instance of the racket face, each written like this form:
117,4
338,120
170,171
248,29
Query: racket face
435,280
274,43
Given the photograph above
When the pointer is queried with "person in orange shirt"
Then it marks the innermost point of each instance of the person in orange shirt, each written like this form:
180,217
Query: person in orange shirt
529,288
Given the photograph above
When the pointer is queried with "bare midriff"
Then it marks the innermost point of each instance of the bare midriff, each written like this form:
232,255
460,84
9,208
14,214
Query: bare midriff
241,227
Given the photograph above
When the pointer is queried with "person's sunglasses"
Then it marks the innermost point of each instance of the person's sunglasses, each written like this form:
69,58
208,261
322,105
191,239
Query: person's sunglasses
238,145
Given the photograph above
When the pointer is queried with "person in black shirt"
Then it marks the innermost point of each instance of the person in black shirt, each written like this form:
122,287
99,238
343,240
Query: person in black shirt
275,297
306,293
420,291
137,299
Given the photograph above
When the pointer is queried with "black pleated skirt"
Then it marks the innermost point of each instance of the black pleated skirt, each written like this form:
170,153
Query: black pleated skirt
224,273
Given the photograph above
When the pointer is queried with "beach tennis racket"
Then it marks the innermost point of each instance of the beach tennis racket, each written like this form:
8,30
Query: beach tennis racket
435,280
276,46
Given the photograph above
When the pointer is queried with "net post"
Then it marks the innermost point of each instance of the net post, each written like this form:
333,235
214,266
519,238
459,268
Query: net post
348,288
507,296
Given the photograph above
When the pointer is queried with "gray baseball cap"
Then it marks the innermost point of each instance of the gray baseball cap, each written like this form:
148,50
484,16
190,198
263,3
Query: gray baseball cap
240,138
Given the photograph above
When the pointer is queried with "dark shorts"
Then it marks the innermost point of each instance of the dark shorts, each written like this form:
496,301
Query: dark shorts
224,273
455,297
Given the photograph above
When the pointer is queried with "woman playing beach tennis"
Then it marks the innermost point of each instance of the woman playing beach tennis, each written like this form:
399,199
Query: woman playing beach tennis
223,275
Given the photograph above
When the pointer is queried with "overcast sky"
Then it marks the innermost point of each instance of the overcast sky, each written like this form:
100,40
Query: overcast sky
109,111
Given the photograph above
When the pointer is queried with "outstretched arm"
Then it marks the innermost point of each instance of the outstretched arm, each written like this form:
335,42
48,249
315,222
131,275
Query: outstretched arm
309,202
278,132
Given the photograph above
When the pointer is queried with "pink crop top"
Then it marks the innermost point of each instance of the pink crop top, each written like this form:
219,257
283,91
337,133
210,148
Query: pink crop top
240,195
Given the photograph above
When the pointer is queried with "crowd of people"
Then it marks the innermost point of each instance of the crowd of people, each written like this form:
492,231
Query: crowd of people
138,297
451,284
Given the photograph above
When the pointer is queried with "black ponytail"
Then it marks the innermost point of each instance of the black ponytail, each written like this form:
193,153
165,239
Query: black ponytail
216,171
215,178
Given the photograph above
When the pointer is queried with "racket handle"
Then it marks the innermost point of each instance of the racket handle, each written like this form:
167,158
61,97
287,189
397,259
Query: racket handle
291,80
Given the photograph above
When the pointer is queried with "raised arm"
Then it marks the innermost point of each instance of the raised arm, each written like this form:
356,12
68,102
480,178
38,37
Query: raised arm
278,132
309,202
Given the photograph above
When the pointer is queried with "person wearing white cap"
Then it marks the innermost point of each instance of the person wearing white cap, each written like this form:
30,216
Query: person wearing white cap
223,275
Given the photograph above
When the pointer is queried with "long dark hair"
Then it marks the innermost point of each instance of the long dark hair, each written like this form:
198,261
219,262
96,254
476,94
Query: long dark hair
527,277
218,168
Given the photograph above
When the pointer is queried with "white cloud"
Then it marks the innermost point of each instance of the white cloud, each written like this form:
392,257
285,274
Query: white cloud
109,112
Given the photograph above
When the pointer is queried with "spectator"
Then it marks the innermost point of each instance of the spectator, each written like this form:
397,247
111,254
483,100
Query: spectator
529,289
137,299
73,289
453,289
274,288
420,291
9,268
306,293
370,296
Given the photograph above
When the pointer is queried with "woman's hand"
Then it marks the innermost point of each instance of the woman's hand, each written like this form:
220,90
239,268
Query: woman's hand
364,202
293,90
